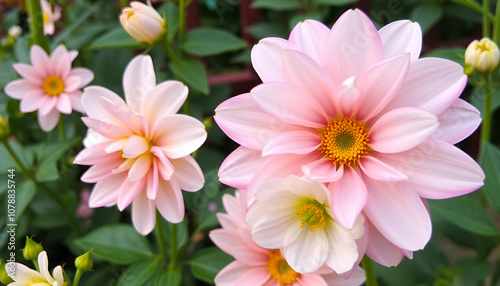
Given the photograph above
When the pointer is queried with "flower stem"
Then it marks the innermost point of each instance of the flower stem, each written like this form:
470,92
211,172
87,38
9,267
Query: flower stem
496,28
77,277
173,248
36,25
476,7
367,265
485,125
159,237
35,262
182,21
486,21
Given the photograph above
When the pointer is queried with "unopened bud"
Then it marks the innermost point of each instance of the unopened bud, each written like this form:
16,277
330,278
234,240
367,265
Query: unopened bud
84,262
4,128
482,55
31,249
142,22
4,276
15,31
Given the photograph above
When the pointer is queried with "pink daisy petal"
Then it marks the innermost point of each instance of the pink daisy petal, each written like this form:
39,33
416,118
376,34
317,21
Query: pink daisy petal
92,102
352,46
165,167
101,171
313,279
152,181
357,278
249,256
188,173
255,276
143,214
293,142
140,167
128,192
347,100
31,101
309,37
20,88
400,216
402,129
105,192
124,117
138,80
457,122
136,146
380,171
403,36
165,99
85,75
28,73
59,60
169,201
323,171
266,58
40,61
225,239
349,196
106,129
76,101
380,250
94,154
72,56
238,168
290,104
64,103
230,274
48,121
72,83
47,104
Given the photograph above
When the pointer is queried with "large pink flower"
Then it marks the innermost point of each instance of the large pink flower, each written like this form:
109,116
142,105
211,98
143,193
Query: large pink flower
140,148
49,85
356,108
256,266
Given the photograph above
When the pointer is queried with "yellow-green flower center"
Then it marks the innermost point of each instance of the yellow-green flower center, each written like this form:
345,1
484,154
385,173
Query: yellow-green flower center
280,270
53,85
45,18
313,214
344,141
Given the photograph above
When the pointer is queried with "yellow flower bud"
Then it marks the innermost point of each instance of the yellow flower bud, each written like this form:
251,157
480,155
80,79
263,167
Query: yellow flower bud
31,249
4,128
482,55
84,262
142,22
4,276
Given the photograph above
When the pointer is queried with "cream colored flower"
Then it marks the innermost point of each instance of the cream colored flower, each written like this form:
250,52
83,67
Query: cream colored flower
142,22
27,276
49,16
482,55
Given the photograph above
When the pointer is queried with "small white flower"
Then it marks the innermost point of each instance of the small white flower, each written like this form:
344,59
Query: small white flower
49,17
15,31
482,55
295,214
27,276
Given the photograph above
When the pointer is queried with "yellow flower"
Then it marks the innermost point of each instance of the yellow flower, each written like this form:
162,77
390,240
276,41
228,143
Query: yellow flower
482,55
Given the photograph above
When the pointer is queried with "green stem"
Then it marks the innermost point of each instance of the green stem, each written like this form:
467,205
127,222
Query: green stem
486,21
36,24
367,265
173,248
496,28
159,237
77,277
476,7
485,125
182,22
62,130
35,262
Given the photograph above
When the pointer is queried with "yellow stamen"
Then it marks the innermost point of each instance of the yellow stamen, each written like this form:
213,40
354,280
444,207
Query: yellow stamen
45,18
344,141
280,270
312,214
53,85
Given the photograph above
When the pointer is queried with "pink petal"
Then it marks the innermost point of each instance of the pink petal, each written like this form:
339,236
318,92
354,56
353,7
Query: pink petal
40,61
64,103
138,80
48,121
403,36
136,146
323,171
102,170
293,142
165,99
20,88
29,73
255,276
91,101
352,46
169,201
152,181
308,251
31,101
179,135
343,250
72,83
76,101
380,250
47,104
309,37
60,62
247,124
165,167
313,279
266,58
128,192
400,216
188,173
380,171
85,75
124,117
250,256
432,84
457,122
238,168
72,55
349,196
106,129
379,84
230,274
94,154
105,192
269,232
143,214
357,278
226,239
301,70
140,167
402,129
347,100
289,103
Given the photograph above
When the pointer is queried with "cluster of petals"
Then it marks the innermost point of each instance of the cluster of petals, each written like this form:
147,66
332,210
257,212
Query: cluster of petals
355,108
255,265
26,276
49,85
142,22
139,149
49,16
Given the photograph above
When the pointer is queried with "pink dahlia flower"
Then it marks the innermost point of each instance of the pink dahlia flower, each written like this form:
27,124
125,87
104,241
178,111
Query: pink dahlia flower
257,266
357,109
139,149
49,85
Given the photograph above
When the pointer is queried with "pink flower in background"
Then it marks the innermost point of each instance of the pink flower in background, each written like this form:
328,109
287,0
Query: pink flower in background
49,16
49,85
83,210
256,266
139,149
356,109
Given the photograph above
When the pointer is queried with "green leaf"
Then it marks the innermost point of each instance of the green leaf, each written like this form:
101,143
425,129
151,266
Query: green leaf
182,234
49,152
477,99
171,11
279,5
47,171
264,30
139,273
454,54
24,154
170,278
473,270
119,244
191,72
24,194
335,2
116,38
210,41
426,16
208,262
489,159
465,213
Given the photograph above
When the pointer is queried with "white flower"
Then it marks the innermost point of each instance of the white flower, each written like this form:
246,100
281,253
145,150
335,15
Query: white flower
26,276
49,16
294,214
482,55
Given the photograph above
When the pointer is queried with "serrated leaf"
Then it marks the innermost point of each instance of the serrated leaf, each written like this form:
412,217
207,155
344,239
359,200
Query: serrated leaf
119,244
210,41
139,273
116,38
489,160
208,262
191,72
278,5
465,213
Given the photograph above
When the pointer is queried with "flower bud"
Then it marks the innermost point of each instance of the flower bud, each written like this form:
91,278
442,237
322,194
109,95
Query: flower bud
15,31
31,249
482,55
142,22
4,276
84,262
4,128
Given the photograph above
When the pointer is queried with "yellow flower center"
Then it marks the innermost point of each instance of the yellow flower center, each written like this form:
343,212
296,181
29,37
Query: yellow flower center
45,18
280,270
344,141
53,85
313,214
